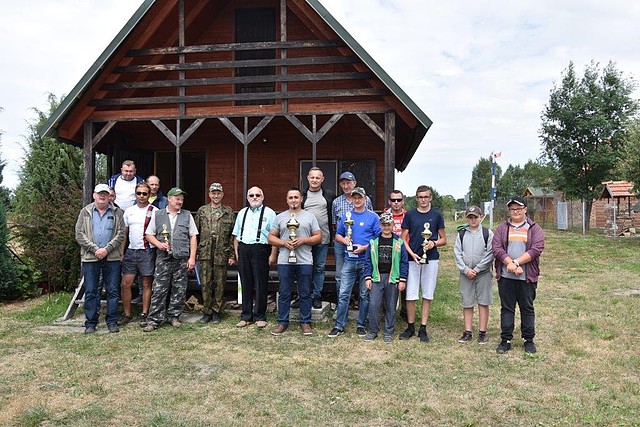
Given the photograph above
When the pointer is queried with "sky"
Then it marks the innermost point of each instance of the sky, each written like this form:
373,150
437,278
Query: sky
482,70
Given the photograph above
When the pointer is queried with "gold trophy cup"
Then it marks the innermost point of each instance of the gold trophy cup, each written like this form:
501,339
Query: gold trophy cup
349,222
426,235
293,225
165,235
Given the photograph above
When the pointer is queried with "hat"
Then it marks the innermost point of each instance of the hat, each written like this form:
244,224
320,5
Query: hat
348,176
100,188
517,200
386,218
473,210
359,190
175,191
216,186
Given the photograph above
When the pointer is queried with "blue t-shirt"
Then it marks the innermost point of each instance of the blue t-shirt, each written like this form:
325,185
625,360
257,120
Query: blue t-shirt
366,226
414,222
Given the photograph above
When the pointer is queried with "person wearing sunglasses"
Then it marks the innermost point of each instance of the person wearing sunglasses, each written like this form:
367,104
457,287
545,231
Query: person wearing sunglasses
140,255
517,245
397,210
254,255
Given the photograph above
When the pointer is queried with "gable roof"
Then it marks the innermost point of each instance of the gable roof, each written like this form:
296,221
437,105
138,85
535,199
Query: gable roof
617,189
538,192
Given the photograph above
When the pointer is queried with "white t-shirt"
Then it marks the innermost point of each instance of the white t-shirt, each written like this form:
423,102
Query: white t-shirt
125,193
134,218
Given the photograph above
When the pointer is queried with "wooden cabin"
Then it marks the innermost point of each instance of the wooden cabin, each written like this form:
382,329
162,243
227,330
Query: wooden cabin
613,211
241,92
542,204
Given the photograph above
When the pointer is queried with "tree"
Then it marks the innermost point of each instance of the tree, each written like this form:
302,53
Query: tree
583,128
47,203
516,179
8,268
480,188
630,161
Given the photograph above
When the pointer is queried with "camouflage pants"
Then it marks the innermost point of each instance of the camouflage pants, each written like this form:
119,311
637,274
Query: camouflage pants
170,277
212,278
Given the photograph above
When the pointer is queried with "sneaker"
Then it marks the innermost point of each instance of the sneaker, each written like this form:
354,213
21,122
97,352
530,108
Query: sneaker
261,324
206,318
90,330
317,303
388,339
306,329
124,319
149,328
279,330
466,337
529,347
361,332
175,323
113,328
408,333
424,337
143,320
370,337
334,333
215,318
483,338
503,347
242,324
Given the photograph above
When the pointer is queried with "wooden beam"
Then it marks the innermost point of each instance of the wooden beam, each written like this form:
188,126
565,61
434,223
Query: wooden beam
389,152
277,62
194,126
234,130
284,87
223,47
256,130
301,127
166,131
89,163
331,93
372,125
96,139
327,126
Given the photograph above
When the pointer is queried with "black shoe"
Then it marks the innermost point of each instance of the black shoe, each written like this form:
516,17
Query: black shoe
143,320
206,318
90,330
215,318
503,347
113,328
529,347
317,303
408,333
424,337
334,333
295,303
466,337
124,319
483,338
361,332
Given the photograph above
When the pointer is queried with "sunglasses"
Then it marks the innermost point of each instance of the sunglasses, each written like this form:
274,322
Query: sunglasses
255,195
141,193
396,200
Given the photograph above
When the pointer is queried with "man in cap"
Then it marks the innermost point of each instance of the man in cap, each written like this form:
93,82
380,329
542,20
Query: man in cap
365,227
100,232
473,257
517,245
124,184
174,234
215,252
340,206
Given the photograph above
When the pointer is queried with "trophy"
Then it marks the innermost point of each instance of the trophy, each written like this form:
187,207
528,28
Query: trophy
349,222
426,234
165,234
293,225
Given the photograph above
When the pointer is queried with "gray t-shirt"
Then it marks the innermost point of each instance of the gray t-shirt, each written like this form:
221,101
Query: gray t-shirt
317,205
308,226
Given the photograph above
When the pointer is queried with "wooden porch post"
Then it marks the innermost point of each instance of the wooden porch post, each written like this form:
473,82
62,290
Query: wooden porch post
389,153
89,163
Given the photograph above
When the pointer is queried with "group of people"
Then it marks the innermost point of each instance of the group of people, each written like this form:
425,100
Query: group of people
386,256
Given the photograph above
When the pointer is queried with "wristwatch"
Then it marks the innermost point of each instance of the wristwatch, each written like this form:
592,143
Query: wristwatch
515,261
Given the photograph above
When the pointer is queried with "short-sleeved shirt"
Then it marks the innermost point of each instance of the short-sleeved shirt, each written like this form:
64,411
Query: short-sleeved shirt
516,246
308,226
103,226
341,206
414,221
135,218
317,205
366,226
248,234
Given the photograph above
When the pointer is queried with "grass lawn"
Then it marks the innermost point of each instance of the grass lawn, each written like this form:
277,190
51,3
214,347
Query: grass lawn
586,371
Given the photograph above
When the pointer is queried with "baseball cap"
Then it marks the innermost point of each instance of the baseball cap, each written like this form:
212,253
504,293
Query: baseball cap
175,191
473,210
359,190
517,200
100,188
216,186
386,218
348,176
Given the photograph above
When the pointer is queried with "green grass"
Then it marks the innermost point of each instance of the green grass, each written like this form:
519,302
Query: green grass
587,371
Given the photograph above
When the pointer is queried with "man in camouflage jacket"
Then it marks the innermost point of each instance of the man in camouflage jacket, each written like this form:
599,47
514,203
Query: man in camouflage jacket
215,252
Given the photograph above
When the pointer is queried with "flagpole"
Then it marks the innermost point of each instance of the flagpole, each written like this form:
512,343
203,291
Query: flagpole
493,189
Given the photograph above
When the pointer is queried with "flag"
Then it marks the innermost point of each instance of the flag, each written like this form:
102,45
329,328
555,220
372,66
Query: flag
497,154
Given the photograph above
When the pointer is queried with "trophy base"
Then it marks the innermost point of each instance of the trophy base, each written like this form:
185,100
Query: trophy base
423,261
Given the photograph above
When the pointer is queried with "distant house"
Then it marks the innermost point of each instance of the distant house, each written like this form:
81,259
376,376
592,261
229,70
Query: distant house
542,204
241,92
615,205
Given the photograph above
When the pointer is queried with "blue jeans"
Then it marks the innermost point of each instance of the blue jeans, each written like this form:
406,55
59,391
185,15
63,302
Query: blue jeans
338,253
319,253
288,273
352,272
387,293
93,289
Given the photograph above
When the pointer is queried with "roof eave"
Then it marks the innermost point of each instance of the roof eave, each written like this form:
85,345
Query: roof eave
49,129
